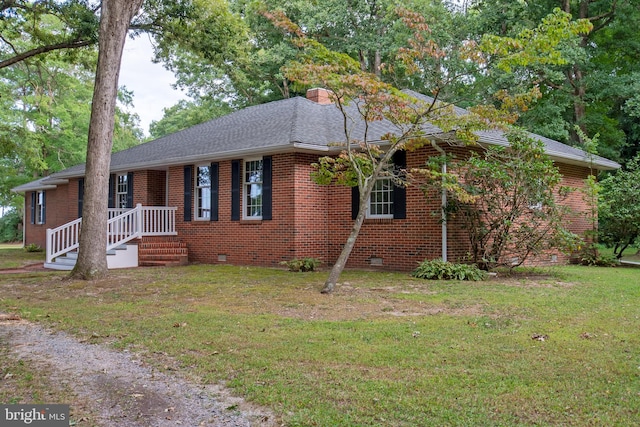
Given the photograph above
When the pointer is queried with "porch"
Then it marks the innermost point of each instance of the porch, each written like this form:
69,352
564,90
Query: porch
144,235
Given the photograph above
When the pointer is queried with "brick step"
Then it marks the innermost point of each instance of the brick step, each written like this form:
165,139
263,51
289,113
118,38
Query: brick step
162,251
162,256
160,239
154,246
161,263
150,251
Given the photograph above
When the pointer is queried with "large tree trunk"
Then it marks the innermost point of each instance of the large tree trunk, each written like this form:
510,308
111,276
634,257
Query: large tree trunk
115,18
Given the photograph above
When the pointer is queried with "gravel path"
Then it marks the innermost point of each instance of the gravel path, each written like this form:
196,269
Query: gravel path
121,389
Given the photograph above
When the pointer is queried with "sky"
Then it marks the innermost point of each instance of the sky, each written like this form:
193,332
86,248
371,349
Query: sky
150,83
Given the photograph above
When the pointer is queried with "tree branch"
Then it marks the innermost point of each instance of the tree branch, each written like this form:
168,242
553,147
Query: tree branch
44,49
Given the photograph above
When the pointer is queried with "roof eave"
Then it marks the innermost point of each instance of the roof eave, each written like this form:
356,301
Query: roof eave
45,184
200,158
599,163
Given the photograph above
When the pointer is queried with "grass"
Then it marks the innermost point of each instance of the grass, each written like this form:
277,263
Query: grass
12,255
383,349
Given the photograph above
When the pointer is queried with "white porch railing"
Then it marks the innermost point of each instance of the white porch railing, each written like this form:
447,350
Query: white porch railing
123,225
63,239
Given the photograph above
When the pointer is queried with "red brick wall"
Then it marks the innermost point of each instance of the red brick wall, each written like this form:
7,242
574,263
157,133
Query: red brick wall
296,230
309,220
400,243
61,207
149,188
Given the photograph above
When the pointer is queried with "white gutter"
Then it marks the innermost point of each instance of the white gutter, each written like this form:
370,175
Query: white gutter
444,203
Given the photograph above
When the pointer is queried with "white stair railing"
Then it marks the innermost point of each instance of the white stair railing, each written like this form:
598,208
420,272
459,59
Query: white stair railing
62,239
123,225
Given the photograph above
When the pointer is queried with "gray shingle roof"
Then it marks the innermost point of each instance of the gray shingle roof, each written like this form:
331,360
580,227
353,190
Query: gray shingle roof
554,149
279,126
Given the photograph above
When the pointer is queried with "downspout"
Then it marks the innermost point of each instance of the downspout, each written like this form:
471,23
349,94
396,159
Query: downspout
443,219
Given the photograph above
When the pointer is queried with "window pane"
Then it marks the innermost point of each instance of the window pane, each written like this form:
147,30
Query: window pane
381,199
122,187
204,176
204,203
203,192
253,189
39,208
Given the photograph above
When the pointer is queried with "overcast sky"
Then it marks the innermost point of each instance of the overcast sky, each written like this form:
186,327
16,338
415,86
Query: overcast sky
150,83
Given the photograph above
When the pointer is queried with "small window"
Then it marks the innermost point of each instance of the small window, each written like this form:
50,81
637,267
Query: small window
203,192
253,181
381,199
40,208
122,189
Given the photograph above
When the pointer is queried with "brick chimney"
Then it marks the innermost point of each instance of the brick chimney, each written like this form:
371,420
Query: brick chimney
319,95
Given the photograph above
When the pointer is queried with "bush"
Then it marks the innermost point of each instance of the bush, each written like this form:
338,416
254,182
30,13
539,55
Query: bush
304,264
441,270
32,247
592,257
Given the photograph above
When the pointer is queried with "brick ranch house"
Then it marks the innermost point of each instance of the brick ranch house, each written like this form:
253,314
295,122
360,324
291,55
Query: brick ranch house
237,190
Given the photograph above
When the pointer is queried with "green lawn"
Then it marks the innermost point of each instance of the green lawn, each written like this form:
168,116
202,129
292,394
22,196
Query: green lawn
383,350
12,255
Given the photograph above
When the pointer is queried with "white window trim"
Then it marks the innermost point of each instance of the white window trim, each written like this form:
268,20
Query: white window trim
196,187
369,215
245,186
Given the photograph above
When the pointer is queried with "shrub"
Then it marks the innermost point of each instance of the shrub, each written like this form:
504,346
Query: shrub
441,270
32,247
592,257
303,264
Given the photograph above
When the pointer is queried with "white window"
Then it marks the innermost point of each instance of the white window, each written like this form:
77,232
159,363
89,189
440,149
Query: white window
122,189
381,199
252,185
39,208
203,192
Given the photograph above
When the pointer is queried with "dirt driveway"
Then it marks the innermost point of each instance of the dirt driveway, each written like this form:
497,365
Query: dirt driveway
119,388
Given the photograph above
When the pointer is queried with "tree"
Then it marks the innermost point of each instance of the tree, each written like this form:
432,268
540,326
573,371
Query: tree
594,88
115,18
31,19
44,117
507,201
363,98
619,213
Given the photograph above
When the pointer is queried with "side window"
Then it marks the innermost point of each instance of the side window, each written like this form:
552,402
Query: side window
381,199
253,181
122,189
40,207
203,192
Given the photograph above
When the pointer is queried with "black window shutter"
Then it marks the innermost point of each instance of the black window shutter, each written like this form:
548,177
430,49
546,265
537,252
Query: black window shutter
215,183
43,220
130,190
112,184
33,207
80,196
355,202
400,192
267,166
188,192
235,190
